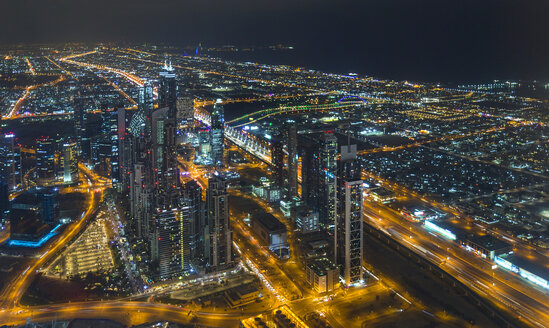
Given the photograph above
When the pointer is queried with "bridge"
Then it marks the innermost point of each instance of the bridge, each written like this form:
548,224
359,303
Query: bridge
264,113
253,145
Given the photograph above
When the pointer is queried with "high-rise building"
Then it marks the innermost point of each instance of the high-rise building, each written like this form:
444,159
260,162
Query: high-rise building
80,133
170,255
141,202
193,223
277,160
105,156
167,89
292,161
318,173
185,111
45,161
217,133
218,235
10,161
49,200
70,162
328,171
140,123
4,203
348,234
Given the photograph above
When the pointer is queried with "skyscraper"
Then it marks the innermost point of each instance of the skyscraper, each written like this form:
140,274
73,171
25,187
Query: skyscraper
4,203
318,172
140,123
277,160
193,221
80,132
49,200
167,89
185,110
348,237
292,160
70,162
218,235
328,170
170,244
218,133
45,161
10,161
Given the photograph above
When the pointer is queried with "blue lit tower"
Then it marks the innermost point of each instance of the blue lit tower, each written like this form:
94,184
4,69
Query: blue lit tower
348,234
218,133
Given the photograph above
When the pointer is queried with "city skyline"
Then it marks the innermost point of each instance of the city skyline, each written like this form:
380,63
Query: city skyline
309,164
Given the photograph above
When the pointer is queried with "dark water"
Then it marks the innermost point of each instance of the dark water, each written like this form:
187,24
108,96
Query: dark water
398,66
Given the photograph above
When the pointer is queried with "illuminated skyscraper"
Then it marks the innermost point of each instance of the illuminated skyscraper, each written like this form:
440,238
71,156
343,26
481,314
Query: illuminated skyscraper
318,172
167,89
170,244
218,235
218,133
328,171
193,223
140,123
45,161
80,133
277,159
348,237
70,162
292,160
185,111
10,162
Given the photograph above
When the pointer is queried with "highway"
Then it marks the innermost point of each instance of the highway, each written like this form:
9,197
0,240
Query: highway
130,313
503,290
13,292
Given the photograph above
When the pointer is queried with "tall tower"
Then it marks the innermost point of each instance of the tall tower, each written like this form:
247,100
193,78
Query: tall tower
167,88
318,173
192,224
140,123
70,162
348,237
328,171
45,160
218,133
292,161
10,161
80,124
277,160
170,255
185,110
218,245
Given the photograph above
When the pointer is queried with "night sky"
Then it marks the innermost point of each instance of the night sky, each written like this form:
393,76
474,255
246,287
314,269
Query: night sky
462,40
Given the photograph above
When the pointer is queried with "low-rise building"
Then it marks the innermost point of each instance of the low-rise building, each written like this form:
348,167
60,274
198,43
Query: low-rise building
322,275
242,295
307,221
271,233
488,246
